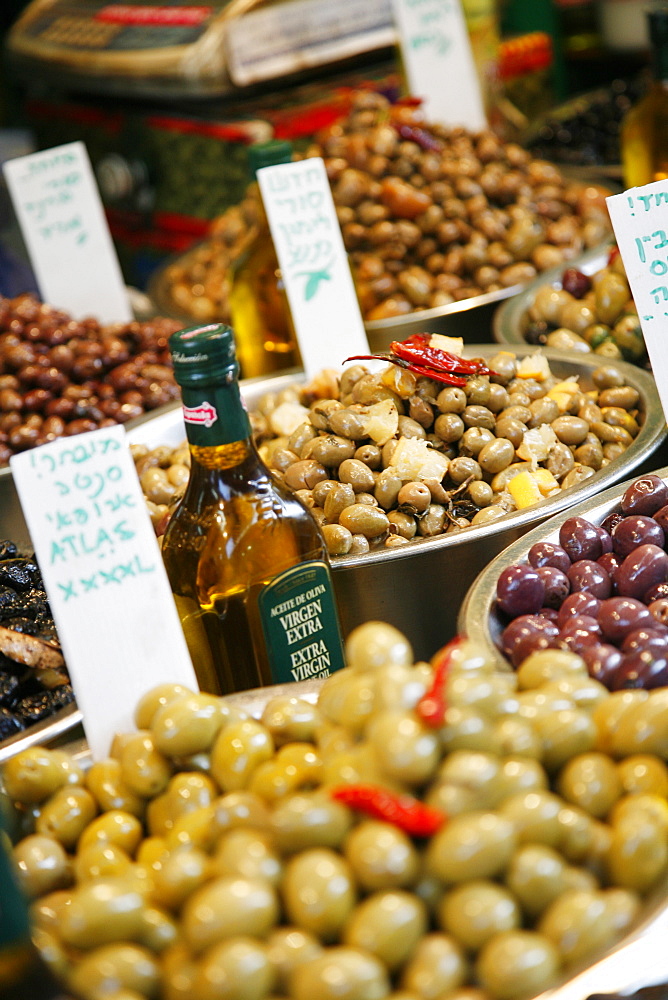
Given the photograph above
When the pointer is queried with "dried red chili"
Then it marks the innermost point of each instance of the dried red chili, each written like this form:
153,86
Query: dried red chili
433,704
417,355
403,811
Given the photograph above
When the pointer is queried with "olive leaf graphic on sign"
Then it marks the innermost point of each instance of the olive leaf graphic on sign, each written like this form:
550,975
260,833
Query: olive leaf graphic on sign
313,279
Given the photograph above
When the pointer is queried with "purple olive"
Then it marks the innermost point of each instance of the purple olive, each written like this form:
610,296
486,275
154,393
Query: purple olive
644,568
580,538
520,591
549,554
527,634
645,495
618,616
585,574
641,669
609,522
606,539
602,661
610,561
580,603
549,614
656,593
661,517
557,585
581,630
659,610
653,638
635,530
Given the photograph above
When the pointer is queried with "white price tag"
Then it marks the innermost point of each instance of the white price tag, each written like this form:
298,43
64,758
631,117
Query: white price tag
314,264
60,212
104,576
438,60
640,221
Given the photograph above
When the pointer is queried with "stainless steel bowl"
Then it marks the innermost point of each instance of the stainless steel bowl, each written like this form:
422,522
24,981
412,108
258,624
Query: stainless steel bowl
419,587
511,320
477,615
636,961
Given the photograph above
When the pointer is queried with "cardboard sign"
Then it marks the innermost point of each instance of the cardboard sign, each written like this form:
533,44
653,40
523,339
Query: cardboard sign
104,576
438,61
60,213
314,264
640,221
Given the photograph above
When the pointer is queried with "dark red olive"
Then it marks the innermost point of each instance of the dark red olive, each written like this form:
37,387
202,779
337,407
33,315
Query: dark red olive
610,561
520,590
644,568
602,660
580,603
527,634
585,574
580,539
641,669
645,495
575,282
635,530
549,554
618,616
557,585
611,520
659,610
578,631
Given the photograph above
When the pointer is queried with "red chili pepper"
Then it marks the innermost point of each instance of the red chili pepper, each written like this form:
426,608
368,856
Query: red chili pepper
415,354
409,814
433,705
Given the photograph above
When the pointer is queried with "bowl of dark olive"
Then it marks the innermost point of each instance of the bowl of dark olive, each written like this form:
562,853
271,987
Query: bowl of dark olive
599,574
585,307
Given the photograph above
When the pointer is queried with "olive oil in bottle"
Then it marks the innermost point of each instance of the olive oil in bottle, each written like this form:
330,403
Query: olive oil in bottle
261,319
644,136
246,560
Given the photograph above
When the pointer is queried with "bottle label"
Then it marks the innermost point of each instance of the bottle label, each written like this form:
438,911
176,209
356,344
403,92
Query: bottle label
300,624
214,415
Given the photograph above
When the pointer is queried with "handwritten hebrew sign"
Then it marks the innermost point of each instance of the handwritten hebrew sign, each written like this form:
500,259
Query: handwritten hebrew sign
318,281
104,576
60,213
438,61
640,221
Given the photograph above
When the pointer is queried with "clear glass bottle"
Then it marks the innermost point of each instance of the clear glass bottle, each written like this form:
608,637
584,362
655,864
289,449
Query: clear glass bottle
247,563
644,136
261,319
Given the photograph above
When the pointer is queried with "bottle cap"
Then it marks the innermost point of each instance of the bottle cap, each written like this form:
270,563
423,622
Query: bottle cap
267,154
204,354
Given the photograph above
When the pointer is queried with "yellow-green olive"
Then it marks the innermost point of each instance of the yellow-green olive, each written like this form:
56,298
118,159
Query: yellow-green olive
340,972
226,907
517,964
42,865
388,924
235,969
477,844
477,910
114,967
318,891
66,814
102,912
309,819
436,968
238,749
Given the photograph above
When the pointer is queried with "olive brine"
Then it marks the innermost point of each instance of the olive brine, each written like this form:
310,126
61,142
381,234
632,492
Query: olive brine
246,561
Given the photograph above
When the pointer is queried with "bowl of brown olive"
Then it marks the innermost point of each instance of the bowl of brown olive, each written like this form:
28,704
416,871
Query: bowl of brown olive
418,484
593,580
414,829
585,307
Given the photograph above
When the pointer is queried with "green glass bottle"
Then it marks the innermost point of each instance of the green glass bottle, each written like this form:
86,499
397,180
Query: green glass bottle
644,137
246,560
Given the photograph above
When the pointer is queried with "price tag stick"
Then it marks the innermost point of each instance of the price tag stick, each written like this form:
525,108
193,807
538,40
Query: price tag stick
438,60
314,264
60,212
104,576
640,220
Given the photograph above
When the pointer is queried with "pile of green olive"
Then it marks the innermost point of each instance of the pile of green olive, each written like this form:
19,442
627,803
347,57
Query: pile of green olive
589,313
387,458
209,858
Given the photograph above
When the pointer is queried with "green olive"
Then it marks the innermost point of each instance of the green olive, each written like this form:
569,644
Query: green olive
590,781
154,699
159,930
235,969
436,968
319,891
288,947
535,875
247,853
100,860
517,964
144,769
534,816
405,750
188,724
473,845
638,852
578,924
102,912
377,644
122,966
115,827
472,913
178,875
388,924
238,749
104,780
226,907
643,773
340,973
309,819
290,719
381,856
42,865
32,775
67,814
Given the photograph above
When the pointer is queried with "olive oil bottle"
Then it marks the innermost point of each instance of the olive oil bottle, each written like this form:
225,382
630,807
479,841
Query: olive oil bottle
246,560
644,136
261,319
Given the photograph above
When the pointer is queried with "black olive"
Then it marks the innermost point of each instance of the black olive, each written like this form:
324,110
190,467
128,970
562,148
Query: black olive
21,574
7,597
24,625
9,685
10,724
7,549
38,706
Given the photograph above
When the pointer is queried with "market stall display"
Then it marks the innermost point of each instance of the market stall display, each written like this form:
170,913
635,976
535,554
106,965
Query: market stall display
600,584
367,841
431,218
587,306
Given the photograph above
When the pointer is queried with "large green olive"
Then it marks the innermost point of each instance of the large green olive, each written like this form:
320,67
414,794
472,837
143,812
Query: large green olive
309,819
228,906
591,781
389,925
235,969
102,912
517,964
381,856
318,892
535,875
42,865
577,923
340,973
473,845
437,967
115,967
476,911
